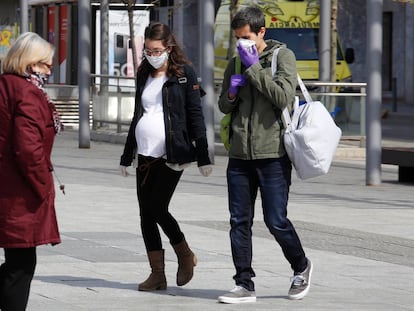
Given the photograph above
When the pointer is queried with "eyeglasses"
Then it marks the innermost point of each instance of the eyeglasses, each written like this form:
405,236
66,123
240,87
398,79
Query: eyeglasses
148,52
50,67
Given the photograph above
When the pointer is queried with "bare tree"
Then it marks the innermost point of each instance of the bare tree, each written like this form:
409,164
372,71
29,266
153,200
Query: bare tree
234,7
130,7
334,47
217,4
334,38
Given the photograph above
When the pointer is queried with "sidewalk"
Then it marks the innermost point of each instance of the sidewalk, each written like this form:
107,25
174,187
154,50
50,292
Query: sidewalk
360,239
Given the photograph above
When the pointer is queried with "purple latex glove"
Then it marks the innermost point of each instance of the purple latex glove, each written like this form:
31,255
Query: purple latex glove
248,58
236,81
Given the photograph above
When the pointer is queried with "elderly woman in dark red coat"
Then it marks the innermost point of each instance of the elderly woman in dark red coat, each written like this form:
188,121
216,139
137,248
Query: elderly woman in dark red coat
28,124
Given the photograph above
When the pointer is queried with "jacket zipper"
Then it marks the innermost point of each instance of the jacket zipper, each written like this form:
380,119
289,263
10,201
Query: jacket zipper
170,131
249,127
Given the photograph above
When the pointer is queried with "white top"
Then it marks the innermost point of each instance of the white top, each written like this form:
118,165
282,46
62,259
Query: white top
150,130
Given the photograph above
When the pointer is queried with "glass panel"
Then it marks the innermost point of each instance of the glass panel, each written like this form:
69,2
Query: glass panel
347,109
304,42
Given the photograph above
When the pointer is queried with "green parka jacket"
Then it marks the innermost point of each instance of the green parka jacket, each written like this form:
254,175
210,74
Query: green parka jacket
257,128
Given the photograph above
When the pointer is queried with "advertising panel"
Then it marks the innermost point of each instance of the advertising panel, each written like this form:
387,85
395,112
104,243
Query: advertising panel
51,33
120,62
7,38
63,36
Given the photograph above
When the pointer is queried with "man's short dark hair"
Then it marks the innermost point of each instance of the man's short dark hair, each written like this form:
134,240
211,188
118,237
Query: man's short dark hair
252,16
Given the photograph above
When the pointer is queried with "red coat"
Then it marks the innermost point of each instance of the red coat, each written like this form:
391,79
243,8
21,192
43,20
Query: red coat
27,211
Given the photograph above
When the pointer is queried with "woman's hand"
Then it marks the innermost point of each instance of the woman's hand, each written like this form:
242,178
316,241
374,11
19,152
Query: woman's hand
123,170
205,170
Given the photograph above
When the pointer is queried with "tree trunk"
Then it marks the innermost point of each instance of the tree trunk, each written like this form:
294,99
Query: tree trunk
334,38
234,7
132,34
334,46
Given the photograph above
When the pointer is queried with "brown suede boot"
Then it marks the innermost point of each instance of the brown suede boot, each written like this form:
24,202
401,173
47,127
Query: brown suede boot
186,263
156,280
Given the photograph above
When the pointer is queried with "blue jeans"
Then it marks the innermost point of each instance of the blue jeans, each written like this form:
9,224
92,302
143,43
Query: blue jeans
273,177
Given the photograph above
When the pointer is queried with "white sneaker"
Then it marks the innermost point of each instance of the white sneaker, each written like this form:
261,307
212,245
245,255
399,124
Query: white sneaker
238,295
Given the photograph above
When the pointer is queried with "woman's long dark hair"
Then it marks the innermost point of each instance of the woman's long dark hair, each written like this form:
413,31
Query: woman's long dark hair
176,59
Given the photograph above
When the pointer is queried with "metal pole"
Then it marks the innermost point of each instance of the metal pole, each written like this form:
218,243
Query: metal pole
104,7
24,16
394,94
408,90
84,71
325,41
178,20
103,90
374,92
206,43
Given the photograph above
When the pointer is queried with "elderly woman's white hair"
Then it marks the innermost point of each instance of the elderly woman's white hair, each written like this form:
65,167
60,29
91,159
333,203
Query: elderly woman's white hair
29,49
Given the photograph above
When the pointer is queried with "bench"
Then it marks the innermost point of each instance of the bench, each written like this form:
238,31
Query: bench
404,158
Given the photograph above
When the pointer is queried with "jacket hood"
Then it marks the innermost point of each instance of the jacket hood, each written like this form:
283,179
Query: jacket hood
266,56
271,46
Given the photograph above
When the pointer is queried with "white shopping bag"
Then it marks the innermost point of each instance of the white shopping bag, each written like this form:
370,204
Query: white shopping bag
311,138
311,135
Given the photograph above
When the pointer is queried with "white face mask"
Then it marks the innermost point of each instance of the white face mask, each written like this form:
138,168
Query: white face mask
157,61
246,43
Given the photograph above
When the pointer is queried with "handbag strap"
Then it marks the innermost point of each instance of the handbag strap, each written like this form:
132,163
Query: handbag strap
286,118
285,112
274,61
304,90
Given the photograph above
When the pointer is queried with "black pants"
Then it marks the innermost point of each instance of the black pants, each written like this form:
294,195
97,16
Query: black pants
16,274
156,184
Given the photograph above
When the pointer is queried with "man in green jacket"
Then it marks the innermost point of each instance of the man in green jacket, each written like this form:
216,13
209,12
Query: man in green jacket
257,157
